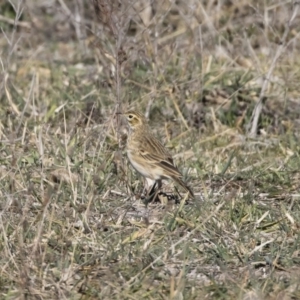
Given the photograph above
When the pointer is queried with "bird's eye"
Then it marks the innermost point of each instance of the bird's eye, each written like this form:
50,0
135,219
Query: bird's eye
130,116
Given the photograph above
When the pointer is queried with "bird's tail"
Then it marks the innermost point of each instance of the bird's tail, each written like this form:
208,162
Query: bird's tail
185,186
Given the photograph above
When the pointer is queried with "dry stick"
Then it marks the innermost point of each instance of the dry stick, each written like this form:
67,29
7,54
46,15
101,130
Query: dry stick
12,42
104,11
258,107
106,15
15,22
76,21
118,81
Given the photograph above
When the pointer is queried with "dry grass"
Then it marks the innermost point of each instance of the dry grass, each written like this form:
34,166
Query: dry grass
72,224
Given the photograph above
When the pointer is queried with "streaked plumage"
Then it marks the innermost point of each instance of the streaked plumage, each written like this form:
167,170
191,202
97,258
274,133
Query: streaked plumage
147,155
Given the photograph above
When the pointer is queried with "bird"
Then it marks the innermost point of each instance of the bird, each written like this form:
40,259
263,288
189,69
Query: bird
147,154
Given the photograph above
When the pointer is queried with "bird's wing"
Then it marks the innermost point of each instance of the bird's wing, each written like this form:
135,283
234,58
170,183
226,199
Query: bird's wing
166,163
157,149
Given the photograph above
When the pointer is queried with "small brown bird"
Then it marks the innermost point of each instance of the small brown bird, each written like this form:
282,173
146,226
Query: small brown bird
148,156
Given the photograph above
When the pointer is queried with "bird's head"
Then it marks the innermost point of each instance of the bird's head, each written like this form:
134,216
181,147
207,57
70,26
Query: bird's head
135,119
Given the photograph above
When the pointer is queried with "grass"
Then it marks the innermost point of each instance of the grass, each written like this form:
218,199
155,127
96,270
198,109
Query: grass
72,223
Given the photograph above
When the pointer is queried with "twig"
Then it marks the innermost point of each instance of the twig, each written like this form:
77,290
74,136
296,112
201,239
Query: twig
108,17
75,19
15,22
253,124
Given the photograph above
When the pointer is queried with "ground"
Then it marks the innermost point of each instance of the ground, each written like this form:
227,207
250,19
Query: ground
73,224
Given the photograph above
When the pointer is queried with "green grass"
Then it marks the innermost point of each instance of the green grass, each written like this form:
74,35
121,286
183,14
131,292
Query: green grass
72,223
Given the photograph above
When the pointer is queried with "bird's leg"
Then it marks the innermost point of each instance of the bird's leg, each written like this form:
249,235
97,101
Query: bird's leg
149,184
150,194
153,192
